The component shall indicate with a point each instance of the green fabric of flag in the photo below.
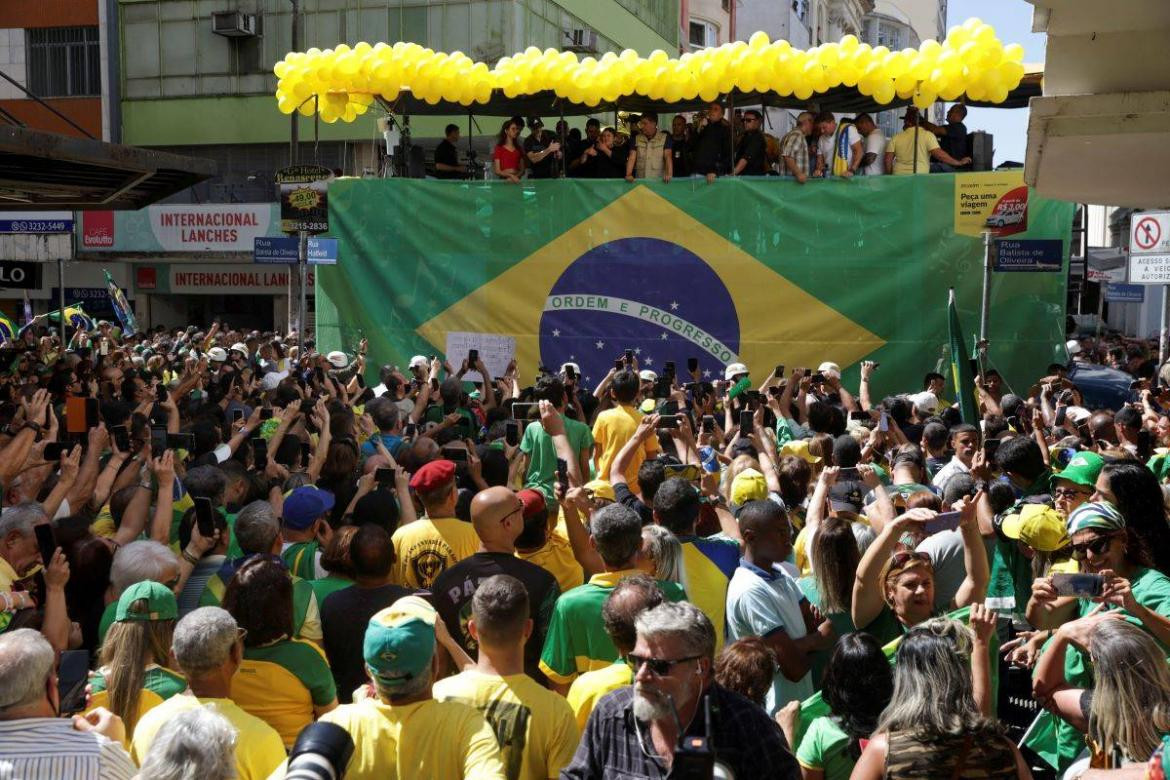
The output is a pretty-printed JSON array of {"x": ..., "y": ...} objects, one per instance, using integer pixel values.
[{"x": 961, "y": 365}]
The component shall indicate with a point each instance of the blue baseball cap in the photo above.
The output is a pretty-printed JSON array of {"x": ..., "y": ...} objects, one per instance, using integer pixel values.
[{"x": 304, "y": 505}]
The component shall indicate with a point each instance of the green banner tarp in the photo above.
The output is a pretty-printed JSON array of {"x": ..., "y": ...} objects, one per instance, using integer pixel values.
[{"x": 762, "y": 271}]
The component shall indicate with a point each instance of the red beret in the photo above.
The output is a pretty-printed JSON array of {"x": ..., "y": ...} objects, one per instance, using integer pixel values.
[
  {"x": 533, "y": 501},
  {"x": 433, "y": 476}
]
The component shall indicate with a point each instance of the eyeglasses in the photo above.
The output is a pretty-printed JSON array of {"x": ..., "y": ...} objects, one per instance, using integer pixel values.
[
  {"x": 1069, "y": 493},
  {"x": 1097, "y": 546},
  {"x": 658, "y": 666}
]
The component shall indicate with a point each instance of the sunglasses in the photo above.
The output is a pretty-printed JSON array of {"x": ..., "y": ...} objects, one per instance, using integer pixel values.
[
  {"x": 660, "y": 667},
  {"x": 900, "y": 559},
  {"x": 1069, "y": 493},
  {"x": 1097, "y": 546}
]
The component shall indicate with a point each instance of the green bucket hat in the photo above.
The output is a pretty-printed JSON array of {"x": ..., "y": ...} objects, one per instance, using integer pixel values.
[{"x": 160, "y": 603}]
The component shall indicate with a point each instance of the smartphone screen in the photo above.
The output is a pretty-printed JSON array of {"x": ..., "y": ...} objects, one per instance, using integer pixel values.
[
  {"x": 180, "y": 441},
  {"x": 692, "y": 364},
  {"x": 75, "y": 414},
  {"x": 160, "y": 393},
  {"x": 884, "y": 423},
  {"x": 619, "y": 365},
  {"x": 472, "y": 357},
  {"x": 1061, "y": 412},
  {"x": 306, "y": 452},
  {"x": 563, "y": 473},
  {"x": 158, "y": 441},
  {"x": 943, "y": 521},
  {"x": 237, "y": 414},
  {"x": 990, "y": 447},
  {"x": 522, "y": 411},
  {"x": 205, "y": 516},
  {"x": 708, "y": 424},
  {"x": 629, "y": 357},
  {"x": 668, "y": 422},
  {"x": 668, "y": 368},
  {"x": 746, "y": 424},
  {"x": 512, "y": 433},
  {"x": 266, "y": 413},
  {"x": 385, "y": 476},
  {"x": 259, "y": 451},
  {"x": 779, "y": 370},
  {"x": 92, "y": 413},
  {"x": 1080, "y": 585},
  {"x": 455, "y": 454},
  {"x": 53, "y": 450},
  {"x": 46, "y": 541},
  {"x": 570, "y": 372},
  {"x": 409, "y": 430},
  {"x": 121, "y": 437}
]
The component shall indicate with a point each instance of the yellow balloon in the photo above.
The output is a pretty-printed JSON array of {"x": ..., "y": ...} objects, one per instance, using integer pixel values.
[
  {"x": 758, "y": 41},
  {"x": 924, "y": 100},
  {"x": 1013, "y": 52},
  {"x": 884, "y": 93},
  {"x": 802, "y": 91},
  {"x": 849, "y": 43}
]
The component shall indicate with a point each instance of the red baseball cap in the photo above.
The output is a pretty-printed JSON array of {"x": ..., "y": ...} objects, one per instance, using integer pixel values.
[
  {"x": 533, "y": 501},
  {"x": 433, "y": 476}
]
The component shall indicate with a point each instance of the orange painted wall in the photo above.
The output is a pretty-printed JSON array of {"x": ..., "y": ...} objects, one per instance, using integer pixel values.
[
  {"x": 85, "y": 111},
  {"x": 48, "y": 13}
]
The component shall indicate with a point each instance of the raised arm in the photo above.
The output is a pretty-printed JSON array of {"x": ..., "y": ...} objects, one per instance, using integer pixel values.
[{"x": 868, "y": 593}]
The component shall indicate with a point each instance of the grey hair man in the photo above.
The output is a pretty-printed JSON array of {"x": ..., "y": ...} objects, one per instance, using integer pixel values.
[
  {"x": 209, "y": 647},
  {"x": 19, "y": 557},
  {"x": 634, "y": 731},
  {"x": 196, "y": 743},
  {"x": 35, "y": 743}
]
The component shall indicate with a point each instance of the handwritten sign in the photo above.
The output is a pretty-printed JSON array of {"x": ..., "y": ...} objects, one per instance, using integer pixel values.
[{"x": 495, "y": 351}]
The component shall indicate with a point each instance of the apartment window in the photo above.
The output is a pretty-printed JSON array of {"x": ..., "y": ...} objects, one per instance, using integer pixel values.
[
  {"x": 890, "y": 36},
  {"x": 800, "y": 8},
  {"x": 703, "y": 34},
  {"x": 64, "y": 61}
]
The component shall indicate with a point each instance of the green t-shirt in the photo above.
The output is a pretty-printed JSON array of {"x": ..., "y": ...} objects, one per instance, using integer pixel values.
[
  {"x": 826, "y": 747},
  {"x": 326, "y": 585},
  {"x": 233, "y": 549},
  {"x": 435, "y": 414},
  {"x": 1010, "y": 585},
  {"x": 542, "y": 455},
  {"x": 576, "y": 641}
]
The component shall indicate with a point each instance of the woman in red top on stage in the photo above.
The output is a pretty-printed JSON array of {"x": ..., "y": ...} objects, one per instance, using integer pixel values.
[{"x": 508, "y": 157}]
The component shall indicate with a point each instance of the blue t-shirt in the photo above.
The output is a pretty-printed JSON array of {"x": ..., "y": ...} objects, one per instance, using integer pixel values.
[{"x": 389, "y": 441}]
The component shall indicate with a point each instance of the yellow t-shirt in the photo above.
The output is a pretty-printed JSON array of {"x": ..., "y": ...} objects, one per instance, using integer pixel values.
[
  {"x": 431, "y": 739},
  {"x": 425, "y": 548},
  {"x": 259, "y": 750},
  {"x": 158, "y": 685},
  {"x": 612, "y": 429},
  {"x": 556, "y": 557},
  {"x": 588, "y": 689},
  {"x": 534, "y": 726},
  {"x": 281, "y": 683},
  {"x": 902, "y": 145},
  {"x": 8, "y": 575}
]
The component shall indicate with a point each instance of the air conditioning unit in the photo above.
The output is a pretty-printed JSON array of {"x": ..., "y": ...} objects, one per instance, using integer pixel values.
[
  {"x": 582, "y": 41},
  {"x": 233, "y": 24}
]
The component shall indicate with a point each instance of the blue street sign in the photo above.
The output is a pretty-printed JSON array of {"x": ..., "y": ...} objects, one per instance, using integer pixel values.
[
  {"x": 1030, "y": 254},
  {"x": 283, "y": 250},
  {"x": 1116, "y": 292},
  {"x": 36, "y": 221}
]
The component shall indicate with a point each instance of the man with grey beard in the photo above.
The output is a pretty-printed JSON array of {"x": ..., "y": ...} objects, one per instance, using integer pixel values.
[{"x": 635, "y": 731}]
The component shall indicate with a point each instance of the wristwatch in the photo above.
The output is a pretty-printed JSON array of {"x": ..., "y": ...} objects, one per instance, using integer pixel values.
[{"x": 33, "y": 426}]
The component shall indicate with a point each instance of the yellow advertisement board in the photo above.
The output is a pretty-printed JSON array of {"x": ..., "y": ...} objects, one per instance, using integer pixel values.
[{"x": 995, "y": 200}]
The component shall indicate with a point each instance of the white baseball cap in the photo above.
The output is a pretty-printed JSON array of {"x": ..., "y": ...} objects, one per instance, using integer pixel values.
[
  {"x": 217, "y": 354},
  {"x": 1078, "y": 414},
  {"x": 829, "y": 367},
  {"x": 337, "y": 359},
  {"x": 418, "y": 361},
  {"x": 1074, "y": 347},
  {"x": 734, "y": 370},
  {"x": 925, "y": 402},
  {"x": 272, "y": 379},
  {"x": 240, "y": 347},
  {"x": 576, "y": 368},
  {"x": 646, "y": 375}
]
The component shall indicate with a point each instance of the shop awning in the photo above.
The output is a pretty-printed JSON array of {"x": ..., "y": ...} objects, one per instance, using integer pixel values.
[{"x": 40, "y": 171}]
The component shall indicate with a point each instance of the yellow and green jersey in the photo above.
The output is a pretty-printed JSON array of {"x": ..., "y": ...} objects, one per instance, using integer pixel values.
[
  {"x": 158, "y": 685},
  {"x": 576, "y": 641},
  {"x": 281, "y": 683}
]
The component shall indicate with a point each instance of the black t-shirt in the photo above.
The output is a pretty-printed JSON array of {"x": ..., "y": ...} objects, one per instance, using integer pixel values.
[
  {"x": 712, "y": 148},
  {"x": 452, "y": 590},
  {"x": 954, "y": 140},
  {"x": 680, "y": 156},
  {"x": 609, "y": 166},
  {"x": 447, "y": 154},
  {"x": 751, "y": 148},
  {"x": 344, "y": 615},
  {"x": 548, "y": 167}
]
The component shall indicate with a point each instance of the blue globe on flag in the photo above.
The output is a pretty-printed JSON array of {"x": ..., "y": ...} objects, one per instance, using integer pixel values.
[{"x": 644, "y": 294}]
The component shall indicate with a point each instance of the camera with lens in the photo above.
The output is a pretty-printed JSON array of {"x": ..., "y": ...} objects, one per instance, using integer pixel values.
[{"x": 321, "y": 752}]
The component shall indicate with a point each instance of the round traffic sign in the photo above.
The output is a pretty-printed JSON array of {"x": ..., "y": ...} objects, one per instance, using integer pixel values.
[{"x": 1147, "y": 233}]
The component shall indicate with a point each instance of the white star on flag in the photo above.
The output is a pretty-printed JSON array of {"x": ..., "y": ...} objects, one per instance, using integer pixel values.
[
  {"x": 601, "y": 345},
  {"x": 664, "y": 337},
  {"x": 649, "y": 361},
  {"x": 673, "y": 306},
  {"x": 572, "y": 357},
  {"x": 556, "y": 333},
  {"x": 706, "y": 374},
  {"x": 638, "y": 351}
]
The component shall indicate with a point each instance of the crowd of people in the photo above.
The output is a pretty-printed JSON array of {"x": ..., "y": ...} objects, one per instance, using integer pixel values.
[
  {"x": 818, "y": 146},
  {"x": 215, "y": 543}
]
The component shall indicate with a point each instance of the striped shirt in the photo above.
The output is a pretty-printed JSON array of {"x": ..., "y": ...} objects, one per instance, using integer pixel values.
[{"x": 49, "y": 748}]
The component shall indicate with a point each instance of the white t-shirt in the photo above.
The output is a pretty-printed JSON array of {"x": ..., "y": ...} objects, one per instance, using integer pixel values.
[
  {"x": 825, "y": 144},
  {"x": 875, "y": 144},
  {"x": 757, "y": 607}
]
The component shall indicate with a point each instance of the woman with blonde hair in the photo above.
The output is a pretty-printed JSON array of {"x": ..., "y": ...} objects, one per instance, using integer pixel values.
[
  {"x": 1127, "y": 711},
  {"x": 133, "y": 677},
  {"x": 662, "y": 553}
]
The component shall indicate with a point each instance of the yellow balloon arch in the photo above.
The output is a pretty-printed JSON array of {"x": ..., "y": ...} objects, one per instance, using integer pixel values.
[{"x": 971, "y": 61}]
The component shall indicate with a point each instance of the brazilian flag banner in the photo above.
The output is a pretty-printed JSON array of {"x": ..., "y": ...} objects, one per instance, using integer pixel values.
[
  {"x": 961, "y": 365},
  {"x": 761, "y": 271}
]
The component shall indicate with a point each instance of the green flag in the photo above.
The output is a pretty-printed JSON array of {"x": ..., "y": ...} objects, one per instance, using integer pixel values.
[{"x": 961, "y": 366}]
